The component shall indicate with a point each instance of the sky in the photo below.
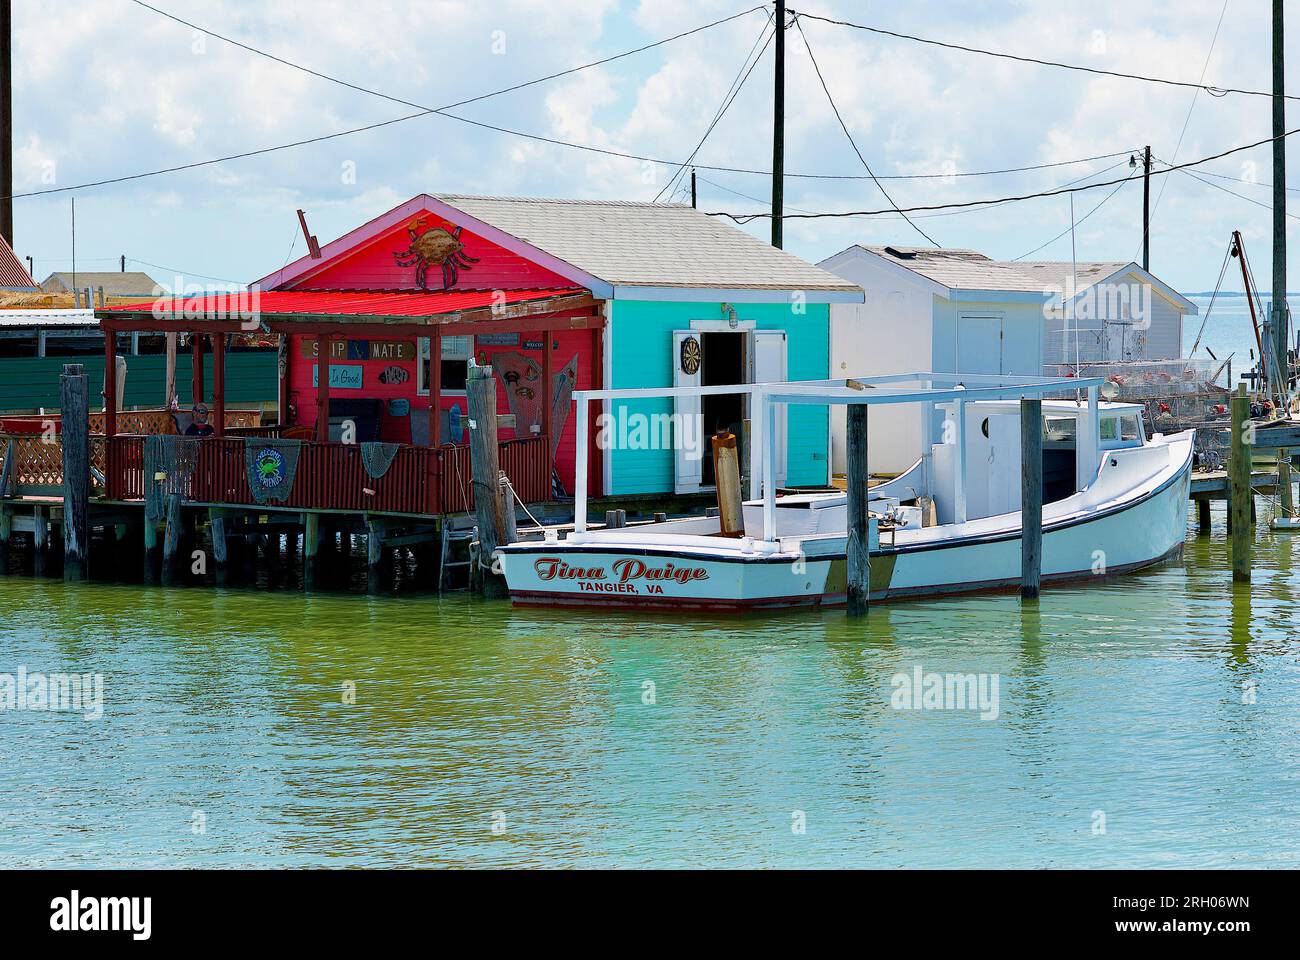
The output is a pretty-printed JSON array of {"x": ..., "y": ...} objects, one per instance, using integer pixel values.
[{"x": 107, "y": 88}]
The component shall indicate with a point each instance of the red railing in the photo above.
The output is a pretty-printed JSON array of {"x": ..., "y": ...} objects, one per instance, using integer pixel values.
[{"x": 330, "y": 476}]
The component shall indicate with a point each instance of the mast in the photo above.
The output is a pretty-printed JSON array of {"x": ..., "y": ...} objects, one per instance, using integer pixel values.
[
  {"x": 778, "y": 129},
  {"x": 1279, "y": 313}
]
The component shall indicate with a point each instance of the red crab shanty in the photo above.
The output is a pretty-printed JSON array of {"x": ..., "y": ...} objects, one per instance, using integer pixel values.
[{"x": 376, "y": 335}]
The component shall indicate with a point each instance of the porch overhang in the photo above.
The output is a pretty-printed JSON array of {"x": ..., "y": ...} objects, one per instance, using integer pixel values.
[{"x": 361, "y": 312}]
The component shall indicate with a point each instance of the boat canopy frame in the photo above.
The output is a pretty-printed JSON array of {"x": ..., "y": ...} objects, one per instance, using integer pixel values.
[{"x": 931, "y": 388}]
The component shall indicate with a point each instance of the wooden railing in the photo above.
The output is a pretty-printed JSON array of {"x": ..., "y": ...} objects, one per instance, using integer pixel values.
[
  {"x": 330, "y": 476},
  {"x": 147, "y": 422},
  {"x": 37, "y": 467}
]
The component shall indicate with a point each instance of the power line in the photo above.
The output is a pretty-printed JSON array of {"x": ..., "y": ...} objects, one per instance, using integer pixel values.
[
  {"x": 733, "y": 91},
  {"x": 459, "y": 103},
  {"x": 423, "y": 111},
  {"x": 1213, "y": 91},
  {"x": 1076, "y": 223},
  {"x": 1253, "y": 183},
  {"x": 1146, "y": 230},
  {"x": 745, "y": 218},
  {"x": 564, "y": 143},
  {"x": 852, "y": 142},
  {"x": 1239, "y": 196}
]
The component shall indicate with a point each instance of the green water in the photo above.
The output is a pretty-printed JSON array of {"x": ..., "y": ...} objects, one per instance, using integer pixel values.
[{"x": 225, "y": 710}]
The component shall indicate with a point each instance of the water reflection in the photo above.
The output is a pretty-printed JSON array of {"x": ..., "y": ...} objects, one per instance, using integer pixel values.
[{"x": 606, "y": 739}]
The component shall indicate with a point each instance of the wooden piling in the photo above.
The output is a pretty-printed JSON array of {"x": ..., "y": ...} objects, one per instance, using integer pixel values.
[
  {"x": 220, "y": 549},
  {"x": 74, "y": 399},
  {"x": 489, "y": 507},
  {"x": 40, "y": 540},
  {"x": 1287, "y": 499},
  {"x": 1031, "y": 496},
  {"x": 374, "y": 554},
  {"x": 859, "y": 516},
  {"x": 1239, "y": 492},
  {"x": 171, "y": 538},
  {"x": 310, "y": 550},
  {"x": 6, "y": 533},
  {"x": 150, "y": 550},
  {"x": 726, "y": 475},
  {"x": 1203, "y": 516}
]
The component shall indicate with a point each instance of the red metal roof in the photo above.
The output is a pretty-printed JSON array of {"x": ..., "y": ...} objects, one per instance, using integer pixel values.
[
  {"x": 13, "y": 275},
  {"x": 338, "y": 302}
]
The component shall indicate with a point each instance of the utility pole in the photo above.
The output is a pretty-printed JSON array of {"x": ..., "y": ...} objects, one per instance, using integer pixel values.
[
  {"x": 1146, "y": 209},
  {"x": 778, "y": 129},
  {"x": 1279, "y": 203},
  {"x": 6, "y": 123}
]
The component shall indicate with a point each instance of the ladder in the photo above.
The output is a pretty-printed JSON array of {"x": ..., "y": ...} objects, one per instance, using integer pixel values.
[{"x": 451, "y": 537}]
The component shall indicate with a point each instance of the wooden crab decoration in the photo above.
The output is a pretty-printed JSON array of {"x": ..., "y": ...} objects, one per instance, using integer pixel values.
[{"x": 434, "y": 247}]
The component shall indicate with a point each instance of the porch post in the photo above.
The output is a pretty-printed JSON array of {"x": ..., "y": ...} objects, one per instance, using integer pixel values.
[
  {"x": 219, "y": 383},
  {"x": 282, "y": 379},
  {"x": 322, "y": 388},
  {"x": 598, "y": 383},
  {"x": 959, "y": 481},
  {"x": 435, "y": 391},
  {"x": 196, "y": 368},
  {"x": 547, "y": 389},
  {"x": 110, "y": 382}
]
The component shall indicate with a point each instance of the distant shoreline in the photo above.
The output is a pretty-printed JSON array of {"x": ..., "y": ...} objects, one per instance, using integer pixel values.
[{"x": 1231, "y": 293}]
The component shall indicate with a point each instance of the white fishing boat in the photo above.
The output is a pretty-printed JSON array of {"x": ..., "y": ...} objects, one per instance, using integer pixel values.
[{"x": 1113, "y": 502}]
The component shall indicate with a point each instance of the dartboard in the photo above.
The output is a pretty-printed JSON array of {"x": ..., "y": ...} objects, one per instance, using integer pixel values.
[{"x": 691, "y": 356}]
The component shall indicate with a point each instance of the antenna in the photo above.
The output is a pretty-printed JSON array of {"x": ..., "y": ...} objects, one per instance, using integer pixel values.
[{"x": 1074, "y": 286}]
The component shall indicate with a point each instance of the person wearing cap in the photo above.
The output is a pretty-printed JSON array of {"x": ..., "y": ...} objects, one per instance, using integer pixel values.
[{"x": 199, "y": 427}]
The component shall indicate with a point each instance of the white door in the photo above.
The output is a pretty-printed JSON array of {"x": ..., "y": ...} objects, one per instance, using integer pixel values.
[
  {"x": 768, "y": 365},
  {"x": 688, "y": 362},
  {"x": 979, "y": 345}
]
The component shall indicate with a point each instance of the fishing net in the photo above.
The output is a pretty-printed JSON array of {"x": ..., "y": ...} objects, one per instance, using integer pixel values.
[
  {"x": 271, "y": 465},
  {"x": 169, "y": 463},
  {"x": 378, "y": 457}
]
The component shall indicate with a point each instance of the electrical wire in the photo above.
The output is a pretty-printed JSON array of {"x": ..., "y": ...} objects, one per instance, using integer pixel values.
[
  {"x": 1075, "y": 223},
  {"x": 852, "y": 142},
  {"x": 1146, "y": 229},
  {"x": 733, "y": 91},
  {"x": 1239, "y": 196},
  {"x": 1213, "y": 91},
  {"x": 745, "y": 218}
]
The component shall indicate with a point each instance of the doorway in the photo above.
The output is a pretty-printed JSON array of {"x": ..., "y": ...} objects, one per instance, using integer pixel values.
[{"x": 723, "y": 363}]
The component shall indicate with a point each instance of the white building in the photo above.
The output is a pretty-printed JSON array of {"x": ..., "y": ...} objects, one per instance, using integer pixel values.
[{"x": 962, "y": 312}]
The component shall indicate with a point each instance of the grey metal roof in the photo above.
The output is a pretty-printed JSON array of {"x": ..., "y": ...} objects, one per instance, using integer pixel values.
[
  {"x": 116, "y": 284},
  {"x": 972, "y": 270},
  {"x": 649, "y": 244}
]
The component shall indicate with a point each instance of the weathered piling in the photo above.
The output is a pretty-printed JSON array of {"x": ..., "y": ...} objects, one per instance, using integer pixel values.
[
  {"x": 1239, "y": 492},
  {"x": 726, "y": 475},
  {"x": 6, "y": 533},
  {"x": 1284, "y": 482},
  {"x": 489, "y": 507},
  {"x": 220, "y": 548},
  {"x": 859, "y": 515},
  {"x": 151, "y": 560},
  {"x": 310, "y": 551},
  {"x": 40, "y": 540},
  {"x": 374, "y": 554},
  {"x": 1203, "y": 516},
  {"x": 171, "y": 539},
  {"x": 74, "y": 399},
  {"x": 1031, "y": 496}
]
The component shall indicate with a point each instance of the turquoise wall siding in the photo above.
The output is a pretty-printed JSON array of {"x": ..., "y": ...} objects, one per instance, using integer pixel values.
[
  {"x": 642, "y": 356},
  {"x": 29, "y": 383}
]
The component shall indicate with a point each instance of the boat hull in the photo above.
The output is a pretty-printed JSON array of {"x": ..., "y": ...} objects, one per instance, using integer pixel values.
[{"x": 1129, "y": 536}]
